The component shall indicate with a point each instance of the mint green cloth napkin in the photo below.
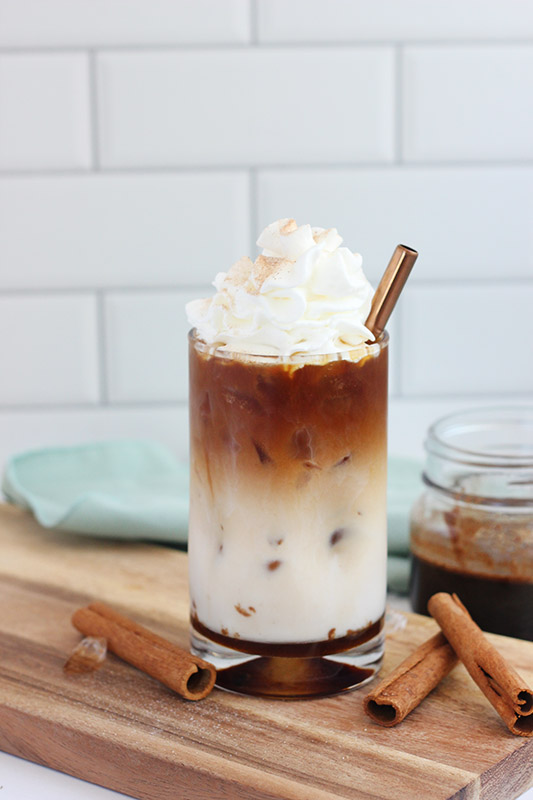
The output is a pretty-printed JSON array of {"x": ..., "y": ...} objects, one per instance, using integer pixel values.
[
  {"x": 138, "y": 490},
  {"x": 404, "y": 486},
  {"x": 124, "y": 489}
]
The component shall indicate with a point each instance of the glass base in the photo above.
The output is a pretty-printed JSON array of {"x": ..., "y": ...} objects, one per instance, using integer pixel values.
[{"x": 291, "y": 677}]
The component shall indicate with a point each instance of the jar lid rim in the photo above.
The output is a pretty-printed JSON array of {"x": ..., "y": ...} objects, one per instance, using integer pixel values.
[{"x": 482, "y": 421}]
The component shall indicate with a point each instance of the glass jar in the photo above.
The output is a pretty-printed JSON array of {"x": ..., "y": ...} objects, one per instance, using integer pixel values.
[{"x": 472, "y": 528}]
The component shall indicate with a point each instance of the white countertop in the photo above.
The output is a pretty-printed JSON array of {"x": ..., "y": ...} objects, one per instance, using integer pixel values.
[{"x": 23, "y": 780}]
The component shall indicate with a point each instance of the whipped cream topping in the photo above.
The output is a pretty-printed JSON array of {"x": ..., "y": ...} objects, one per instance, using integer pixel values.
[{"x": 304, "y": 294}]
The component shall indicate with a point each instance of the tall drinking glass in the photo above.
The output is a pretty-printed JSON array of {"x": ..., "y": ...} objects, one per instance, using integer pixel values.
[{"x": 287, "y": 531}]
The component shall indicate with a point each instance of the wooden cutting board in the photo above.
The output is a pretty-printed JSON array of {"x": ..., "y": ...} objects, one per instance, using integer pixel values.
[{"x": 121, "y": 729}]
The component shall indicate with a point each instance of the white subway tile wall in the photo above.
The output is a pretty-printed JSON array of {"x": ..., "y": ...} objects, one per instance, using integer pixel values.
[
  {"x": 104, "y": 230},
  {"x": 468, "y": 104},
  {"x": 26, "y": 429},
  {"x": 246, "y": 106},
  {"x": 147, "y": 346},
  {"x": 111, "y": 23},
  {"x": 143, "y": 145},
  {"x": 384, "y": 20},
  {"x": 466, "y": 222},
  {"x": 472, "y": 339},
  {"x": 49, "y": 349},
  {"x": 44, "y": 104}
]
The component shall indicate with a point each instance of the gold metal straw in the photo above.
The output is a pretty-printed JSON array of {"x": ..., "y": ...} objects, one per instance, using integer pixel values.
[{"x": 389, "y": 288}]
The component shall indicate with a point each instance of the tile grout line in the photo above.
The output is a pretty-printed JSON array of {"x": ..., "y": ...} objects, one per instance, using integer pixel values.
[
  {"x": 133, "y": 405},
  {"x": 101, "y": 333},
  {"x": 334, "y": 166},
  {"x": 421, "y": 283},
  {"x": 48, "y": 291},
  {"x": 181, "y": 403},
  {"x": 93, "y": 104},
  {"x": 138, "y": 47},
  {"x": 483, "y": 397},
  {"x": 398, "y": 104},
  {"x": 254, "y": 23},
  {"x": 398, "y": 144}
]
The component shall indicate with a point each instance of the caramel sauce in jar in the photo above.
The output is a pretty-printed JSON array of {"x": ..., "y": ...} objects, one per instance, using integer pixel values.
[{"x": 472, "y": 528}]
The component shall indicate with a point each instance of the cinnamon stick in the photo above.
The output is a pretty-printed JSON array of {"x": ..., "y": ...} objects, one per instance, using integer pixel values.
[
  {"x": 498, "y": 681},
  {"x": 412, "y": 680},
  {"x": 190, "y": 676}
]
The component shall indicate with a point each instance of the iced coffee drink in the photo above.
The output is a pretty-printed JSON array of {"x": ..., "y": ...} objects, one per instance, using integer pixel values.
[{"x": 288, "y": 410}]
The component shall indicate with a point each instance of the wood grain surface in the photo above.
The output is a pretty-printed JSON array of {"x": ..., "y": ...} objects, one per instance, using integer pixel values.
[{"x": 121, "y": 729}]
